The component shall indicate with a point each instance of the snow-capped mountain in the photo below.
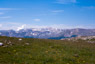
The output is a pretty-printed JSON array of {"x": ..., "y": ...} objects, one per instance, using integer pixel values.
[{"x": 48, "y": 33}]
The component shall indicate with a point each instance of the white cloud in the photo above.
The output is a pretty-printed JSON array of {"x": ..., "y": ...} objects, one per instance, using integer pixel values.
[
  {"x": 89, "y": 7},
  {"x": 1, "y": 13},
  {"x": 0, "y": 25},
  {"x": 65, "y": 1},
  {"x": 58, "y": 11},
  {"x": 21, "y": 27},
  {"x": 9, "y": 25},
  {"x": 5, "y": 8},
  {"x": 9, "y": 9},
  {"x": 62, "y": 26},
  {"x": 37, "y": 20},
  {"x": 5, "y": 17}
]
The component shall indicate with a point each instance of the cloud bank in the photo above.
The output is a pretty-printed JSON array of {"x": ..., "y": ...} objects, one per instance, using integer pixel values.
[{"x": 19, "y": 26}]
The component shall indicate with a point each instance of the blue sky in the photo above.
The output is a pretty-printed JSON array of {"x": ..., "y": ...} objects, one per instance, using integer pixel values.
[{"x": 65, "y": 14}]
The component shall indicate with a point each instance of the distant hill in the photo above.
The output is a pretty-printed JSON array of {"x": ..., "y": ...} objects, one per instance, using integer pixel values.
[
  {"x": 48, "y": 33},
  {"x": 85, "y": 38}
]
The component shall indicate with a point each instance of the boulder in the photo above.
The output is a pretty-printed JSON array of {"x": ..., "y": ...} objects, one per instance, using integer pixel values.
[
  {"x": 20, "y": 39},
  {"x": 1, "y": 44}
]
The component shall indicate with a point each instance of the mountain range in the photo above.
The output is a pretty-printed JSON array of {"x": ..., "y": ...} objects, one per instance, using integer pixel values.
[{"x": 48, "y": 33}]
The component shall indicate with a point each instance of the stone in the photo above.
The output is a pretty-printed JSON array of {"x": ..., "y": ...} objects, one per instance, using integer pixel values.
[{"x": 1, "y": 44}]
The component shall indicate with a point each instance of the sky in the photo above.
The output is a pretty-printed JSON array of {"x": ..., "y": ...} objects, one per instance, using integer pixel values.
[{"x": 66, "y": 14}]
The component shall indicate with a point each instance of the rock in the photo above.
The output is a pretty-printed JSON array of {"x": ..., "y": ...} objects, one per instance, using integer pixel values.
[
  {"x": 5, "y": 46},
  {"x": 76, "y": 55},
  {"x": 27, "y": 43},
  {"x": 20, "y": 39},
  {"x": 1, "y": 44},
  {"x": 91, "y": 41}
]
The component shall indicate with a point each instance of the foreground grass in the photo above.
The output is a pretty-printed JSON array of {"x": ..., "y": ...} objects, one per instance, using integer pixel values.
[{"x": 43, "y": 51}]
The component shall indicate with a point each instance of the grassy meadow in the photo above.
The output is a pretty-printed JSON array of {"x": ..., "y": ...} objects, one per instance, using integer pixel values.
[{"x": 45, "y": 51}]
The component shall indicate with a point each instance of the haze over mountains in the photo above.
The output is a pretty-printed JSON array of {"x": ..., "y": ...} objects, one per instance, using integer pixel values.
[{"x": 48, "y": 33}]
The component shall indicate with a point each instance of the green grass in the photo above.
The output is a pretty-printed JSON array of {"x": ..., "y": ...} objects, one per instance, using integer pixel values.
[{"x": 44, "y": 51}]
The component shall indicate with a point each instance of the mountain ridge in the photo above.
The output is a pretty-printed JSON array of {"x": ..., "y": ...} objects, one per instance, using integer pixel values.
[{"x": 48, "y": 33}]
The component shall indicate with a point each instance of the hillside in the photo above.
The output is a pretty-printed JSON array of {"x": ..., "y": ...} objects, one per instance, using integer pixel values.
[{"x": 44, "y": 51}]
